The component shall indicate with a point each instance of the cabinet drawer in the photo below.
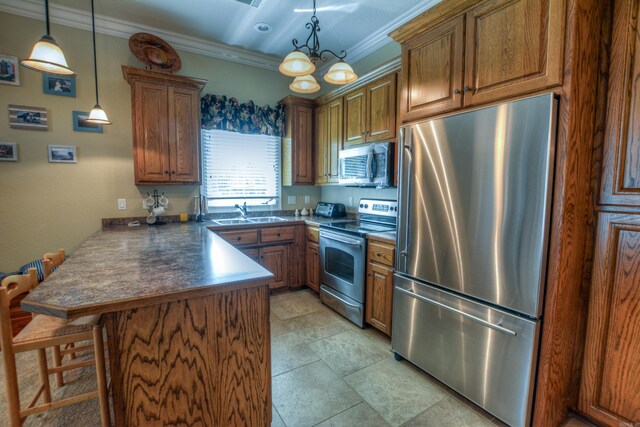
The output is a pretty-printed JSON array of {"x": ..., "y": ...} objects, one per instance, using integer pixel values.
[
  {"x": 312, "y": 235},
  {"x": 381, "y": 253},
  {"x": 276, "y": 234},
  {"x": 240, "y": 237}
]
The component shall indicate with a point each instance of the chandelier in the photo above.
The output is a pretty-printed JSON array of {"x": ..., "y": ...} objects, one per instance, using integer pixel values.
[{"x": 301, "y": 65}]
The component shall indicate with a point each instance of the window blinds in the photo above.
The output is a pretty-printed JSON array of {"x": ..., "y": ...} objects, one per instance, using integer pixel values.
[{"x": 240, "y": 167}]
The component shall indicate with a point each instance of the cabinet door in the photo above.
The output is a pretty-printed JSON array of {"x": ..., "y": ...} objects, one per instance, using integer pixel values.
[
  {"x": 275, "y": 259},
  {"x": 610, "y": 390},
  {"x": 334, "y": 140},
  {"x": 303, "y": 145},
  {"x": 355, "y": 117},
  {"x": 321, "y": 144},
  {"x": 184, "y": 135},
  {"x": 379, "y": 297},
  {"x": 513, "y": 47},
  {"x": 151, "y": 135},
  {"x": 381, "y": 108},
  {"x": 432, "y": 71},
  {"x": 252, "y": 253},
  {"x": 621, "y": 154},
  {"x": 313, "y": 266}
]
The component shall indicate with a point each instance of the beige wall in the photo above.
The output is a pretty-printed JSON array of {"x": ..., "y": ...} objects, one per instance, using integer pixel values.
[{"x": 43, "y": 205}]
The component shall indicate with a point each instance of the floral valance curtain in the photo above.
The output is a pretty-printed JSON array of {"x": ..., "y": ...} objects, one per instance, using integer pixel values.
[{"x": 220, "y": 112}]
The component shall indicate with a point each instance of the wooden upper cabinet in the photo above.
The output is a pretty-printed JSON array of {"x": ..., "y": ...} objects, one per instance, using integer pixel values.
[
  {"x": 321, "y": 141},
  {"x": 432, "y": 79},
  {"x": 150, "y": 110},
  {"x": 610, "y": 389},
  {"x": 166, "y": 127},
  {"x": 513, "y": 47},
  {"x": 355, "y": 117},
  {"x": 334, "y": 139},
  {"x": 621, "y": 155},
  {"x": 381, "y": 109},
  {"x": 297, "y": 145}
]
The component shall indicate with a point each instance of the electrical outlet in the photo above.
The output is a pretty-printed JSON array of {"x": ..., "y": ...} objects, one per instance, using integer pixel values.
[
  {"x": 351, "y": 201},
  {"x": 307, "y": 200},
  {"x": 122, "y": 204},
  {"x": 291, "y": 200}
]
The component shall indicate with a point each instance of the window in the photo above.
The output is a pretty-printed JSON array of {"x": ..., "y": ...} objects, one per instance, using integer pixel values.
[{"x": 241, "y": 168}]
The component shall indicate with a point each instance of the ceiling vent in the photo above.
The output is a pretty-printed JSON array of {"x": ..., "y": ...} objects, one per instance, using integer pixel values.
[{"x": 254, "y": 3}]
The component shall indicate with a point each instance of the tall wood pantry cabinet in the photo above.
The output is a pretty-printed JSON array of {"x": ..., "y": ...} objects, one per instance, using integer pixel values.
[
  {"x": 328, "y": 141},
  {"x": 610, "y": 389},
  {"x": 165, "y": 109},
  {"x": 297, "y": 144}
]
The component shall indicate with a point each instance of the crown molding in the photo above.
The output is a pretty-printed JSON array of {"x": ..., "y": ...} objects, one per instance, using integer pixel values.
[
  {"x": 75, "y": 18},
  {"x": 381, "y": 38}
]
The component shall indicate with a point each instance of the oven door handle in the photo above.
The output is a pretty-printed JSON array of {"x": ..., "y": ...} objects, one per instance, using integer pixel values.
[{"x": 341, "y": 240}]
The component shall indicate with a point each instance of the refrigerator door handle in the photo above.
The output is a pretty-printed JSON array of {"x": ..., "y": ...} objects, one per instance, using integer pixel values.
[
  {"x": 460, "y": 312},
  {"x": 405, "y": 166}
]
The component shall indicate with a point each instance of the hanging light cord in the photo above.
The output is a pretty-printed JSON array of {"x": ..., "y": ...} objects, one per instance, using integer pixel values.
[
  {"x": 46, "y": 8},
  {"x": 95, "y": 59}
]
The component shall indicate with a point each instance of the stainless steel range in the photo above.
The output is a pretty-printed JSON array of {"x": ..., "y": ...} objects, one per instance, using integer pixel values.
[{"x": 343, "y": 251}]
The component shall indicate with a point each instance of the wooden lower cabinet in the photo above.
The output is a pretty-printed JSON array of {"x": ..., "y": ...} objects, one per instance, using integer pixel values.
[
  {"x": 379, "y": 286},
  {"x": 313, "y": 266},
  {"x": 276, "y": 260},
  {"x": 610, "y": 390}
]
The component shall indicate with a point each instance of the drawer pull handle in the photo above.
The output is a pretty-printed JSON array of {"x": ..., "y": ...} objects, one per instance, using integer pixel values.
[{"x": 239, "y": 238}]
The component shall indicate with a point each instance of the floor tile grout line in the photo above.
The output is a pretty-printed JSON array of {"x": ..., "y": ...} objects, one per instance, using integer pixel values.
[
  {"x": 342, "y": 412},
  {"x": 445, "y": 397}
]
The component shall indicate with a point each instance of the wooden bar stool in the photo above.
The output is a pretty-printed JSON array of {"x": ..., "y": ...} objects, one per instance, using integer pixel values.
[
  {"x": 51, "y": 261},
  {"x": 40, "y": 333}
]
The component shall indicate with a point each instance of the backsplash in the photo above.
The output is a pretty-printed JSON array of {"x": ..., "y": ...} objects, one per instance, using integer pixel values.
[{"x": 338, "y": 194}]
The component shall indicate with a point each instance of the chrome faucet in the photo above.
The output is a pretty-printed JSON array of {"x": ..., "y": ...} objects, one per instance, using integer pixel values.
[{"x": 242, "y": 209}]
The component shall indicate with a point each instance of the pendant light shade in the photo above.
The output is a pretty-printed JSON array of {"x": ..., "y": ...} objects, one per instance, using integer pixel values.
[
  {"x": 340, "y": 73},
  {"x": 46, "y": 55},
  {"x": 97, "y": 115},
  {"x": 296, "y": 64},
  {"x": 305, "y": 84}
]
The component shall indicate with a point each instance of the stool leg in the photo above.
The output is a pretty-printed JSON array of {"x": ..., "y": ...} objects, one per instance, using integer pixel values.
[
  {"x": 72, "y": 355},
  {"x": 101, "y": 374},
  {"x": 57, "y": 362},
  {"x": 44, "y": 374},
  {"x": 11, "y": 381}
]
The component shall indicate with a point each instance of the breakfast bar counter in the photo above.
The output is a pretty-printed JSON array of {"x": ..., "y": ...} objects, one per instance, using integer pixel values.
[{"x": 187, "y": 321}]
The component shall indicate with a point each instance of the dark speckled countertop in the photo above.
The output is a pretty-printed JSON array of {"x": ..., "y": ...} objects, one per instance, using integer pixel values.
[{"x": 127, "y": 267}]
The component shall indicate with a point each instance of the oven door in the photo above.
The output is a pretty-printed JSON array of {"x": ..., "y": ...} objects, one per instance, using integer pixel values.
[{"x": 342, "y": 261}]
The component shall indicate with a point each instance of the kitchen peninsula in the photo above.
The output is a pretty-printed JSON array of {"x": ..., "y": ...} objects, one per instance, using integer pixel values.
[{"x": 187, "y": 320}]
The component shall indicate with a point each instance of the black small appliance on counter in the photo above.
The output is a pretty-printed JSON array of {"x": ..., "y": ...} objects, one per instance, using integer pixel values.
[{"x": 330, "y": 210}]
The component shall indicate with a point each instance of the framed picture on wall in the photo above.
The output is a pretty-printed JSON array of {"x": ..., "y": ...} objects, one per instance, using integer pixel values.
[
  {"x": 9, "y": 70},
  {"x": 8, "y": 152},
  {"x": 32, "y": 118},
  {"x": 80, "y": 123},
  {"x": 62, "y": 154},
  {"x": 61, "y": 86}
]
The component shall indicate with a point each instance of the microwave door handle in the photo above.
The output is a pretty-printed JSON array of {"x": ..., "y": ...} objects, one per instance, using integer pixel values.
[{"x": 370, "y": 158}]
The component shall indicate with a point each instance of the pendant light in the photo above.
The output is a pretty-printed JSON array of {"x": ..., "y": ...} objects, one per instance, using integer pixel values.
[
  {"x": 97, "y": 114},
  {"x": 305, "y": 84},
  {"x": 46, "y": 55},
  {"x": 340, "y": 73}
]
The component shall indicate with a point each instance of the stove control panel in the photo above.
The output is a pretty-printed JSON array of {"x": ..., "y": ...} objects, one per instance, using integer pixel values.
[{"x": 378, "y": 207}]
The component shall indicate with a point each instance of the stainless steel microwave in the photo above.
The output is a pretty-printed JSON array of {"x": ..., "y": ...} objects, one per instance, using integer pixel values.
[{"x": 367, "y": 166}]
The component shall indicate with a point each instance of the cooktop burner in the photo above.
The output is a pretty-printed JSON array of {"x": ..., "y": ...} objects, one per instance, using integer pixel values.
[{"x": 360, "y": 228}]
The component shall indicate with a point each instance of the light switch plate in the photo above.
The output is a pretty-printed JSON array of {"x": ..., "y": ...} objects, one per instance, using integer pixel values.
[
  {"x": 122, "y": 204},
  {"x": 291, "y": 200},
  {"x": 307, "y": 199}
]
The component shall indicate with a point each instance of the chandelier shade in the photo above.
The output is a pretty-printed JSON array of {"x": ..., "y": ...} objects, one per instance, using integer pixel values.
[
  {"x": 305, "y": 84},
  {"x": 340, "y": 73},
  {"x": 296, "y": 64},
  {"x": 98, "y": 116}
]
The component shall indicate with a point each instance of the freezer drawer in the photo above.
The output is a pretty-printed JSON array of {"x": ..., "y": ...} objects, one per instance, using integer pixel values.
[{"x": 487, "y": 355}]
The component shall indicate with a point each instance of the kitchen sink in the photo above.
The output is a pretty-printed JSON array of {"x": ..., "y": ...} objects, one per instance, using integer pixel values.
[
  {"x": 267, "y": 219},
  {"x": 233, "y": 221}
]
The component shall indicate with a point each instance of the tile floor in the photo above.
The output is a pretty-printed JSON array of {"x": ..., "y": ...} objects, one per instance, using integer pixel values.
[{"x": 328, "y": 372}]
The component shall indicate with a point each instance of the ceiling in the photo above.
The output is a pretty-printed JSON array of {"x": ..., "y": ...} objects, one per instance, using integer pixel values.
[{"x": 357, "y": 26}]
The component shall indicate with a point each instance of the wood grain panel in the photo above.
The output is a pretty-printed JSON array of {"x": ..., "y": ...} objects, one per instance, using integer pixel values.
[
  {"x": 150, "y": 125},
  {"x": 313, "y": 234},
  {"x": 277, "y": 234},
  {"x": 321, "y": 144},
  {"x": 355, "y": 117},
  {"x": 313, "y": 266},
  {"x": 184, "y": 135},
  {"x": 297, "y": 144},
  {"x": 381, "y": 107},
  {"x": 276, "y": 260},
  {"x": 335, "y": 139},
  {"x": 240, "y": 237},
  {"x": 432, "y": 70},
  {"x": 621, "y": 154},
  {"x": 381, "y": 253},
  {"x": 513, "y": 47},
  {"x": 193, "y": 362},
  {"x": 379, "y": 297},
  {"x": 610, "y": 390}
]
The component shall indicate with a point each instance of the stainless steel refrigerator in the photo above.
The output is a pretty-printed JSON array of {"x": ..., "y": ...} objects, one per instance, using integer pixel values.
[{"x": 474, "y": 201}]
